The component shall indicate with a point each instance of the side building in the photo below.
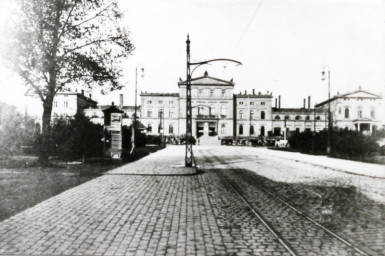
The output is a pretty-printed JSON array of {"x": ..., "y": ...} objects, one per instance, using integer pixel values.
[{"x": 359, "y": 110}]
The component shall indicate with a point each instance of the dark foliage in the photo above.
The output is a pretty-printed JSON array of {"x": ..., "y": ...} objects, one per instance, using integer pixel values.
[
  {"x": 78, "y": 137},
  {"x": 345, "y": 143}
]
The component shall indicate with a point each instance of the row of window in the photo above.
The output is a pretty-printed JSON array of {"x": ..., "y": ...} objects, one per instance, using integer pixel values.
[
  {"x": 277, "y": 117},
  {"x": 359, "y": 112},
  {"x": 241, "y": 114},
  {"x": 211, "y": 93},
  {"x": 251, "y": 130},
  {"x": 161, "y": 113},
  {"x": 171, "y": 102},
  {"x": 55, "y": 104},
  {"x": 251, "y": 103},
  {"x": 170, "y": 128}
]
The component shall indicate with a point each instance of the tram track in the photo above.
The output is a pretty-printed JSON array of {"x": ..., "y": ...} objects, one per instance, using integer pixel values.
[{"x": 284, "y": 241}]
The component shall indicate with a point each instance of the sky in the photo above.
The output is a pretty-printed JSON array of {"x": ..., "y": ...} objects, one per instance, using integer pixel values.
[{"x": 282, "y": 44}]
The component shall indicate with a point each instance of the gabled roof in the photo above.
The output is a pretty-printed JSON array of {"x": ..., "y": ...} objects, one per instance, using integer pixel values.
[
  {"x": 207, "y": 80},
  {"x": 355, "y": 94}
]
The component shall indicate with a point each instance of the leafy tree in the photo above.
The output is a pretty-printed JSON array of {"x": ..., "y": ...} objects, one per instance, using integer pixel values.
[{"x": 59, "y": 44}]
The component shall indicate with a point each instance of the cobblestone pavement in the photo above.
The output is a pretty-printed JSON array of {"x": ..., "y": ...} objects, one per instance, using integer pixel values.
[
  {"x": 138, "y": 215},
  {"x": 157, "y": 215},
  {"x": 352, "y": 215}
]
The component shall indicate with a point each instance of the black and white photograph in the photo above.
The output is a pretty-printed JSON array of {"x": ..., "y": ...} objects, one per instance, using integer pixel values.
[{"x": 193, "y": 127}]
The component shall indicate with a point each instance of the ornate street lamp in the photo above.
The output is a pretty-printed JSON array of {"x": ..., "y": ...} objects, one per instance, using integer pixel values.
[{"x": 189, "y": 151}]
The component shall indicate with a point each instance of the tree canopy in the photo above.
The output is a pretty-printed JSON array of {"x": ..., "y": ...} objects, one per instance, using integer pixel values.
[{"x": 63, "y": 44}]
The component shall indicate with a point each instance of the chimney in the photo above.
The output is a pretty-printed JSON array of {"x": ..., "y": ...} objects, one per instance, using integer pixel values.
[
  {"x": 275, "y": 102},
  {"x": 253, "y": 91},
  {"x": 308, "y": 102},
  {"x": 304, "y": 103},
  {"x": 82, "y": 92},
  {"x": 245, "y": 92},
  {"x": 113, "y": 104},
  {"x": 121, "y": 100},
  {"x": 259, "y": 93},
  {"x": 279, "y": 101},
  {"x": 90, "y": 95}
]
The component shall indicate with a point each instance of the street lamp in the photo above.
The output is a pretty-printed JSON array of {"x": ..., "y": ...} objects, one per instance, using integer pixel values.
[
  {"x": 189, "y": 151},
  {"x": 329, "y": 145},
  {"x": 134, "y": 127}
]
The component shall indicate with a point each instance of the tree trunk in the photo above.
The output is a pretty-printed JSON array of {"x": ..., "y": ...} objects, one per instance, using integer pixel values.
[{"x": 45, "y": 142}]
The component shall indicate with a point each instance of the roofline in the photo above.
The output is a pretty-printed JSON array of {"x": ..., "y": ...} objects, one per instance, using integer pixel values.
[
  {"x": 229, "y": 83},
  {"x": 345, "y": 96}
]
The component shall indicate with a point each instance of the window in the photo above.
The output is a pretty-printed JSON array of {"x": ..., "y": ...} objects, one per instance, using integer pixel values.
[
  {"x": 170, "y": 129},
  {"x": 297, "y": 130},
  {"x": 297, "y": 118},
  {"x": 251, "y": 114},
  {"x": 171, "y": 102},
  {"x": 223, "y": 129},
  {"x": 223, "y": 110},
  {"x": 211, "y": 93},
  {"x": 160, "y": 113},
  {"x": 252, "y": 103},
  {"x": 287, "y": 117},
  {"x": 200, "y": 110},
  {"x": 318, "y": 118},
  {"x": 149, "y": 102},
  {"x": 277, "y": 117},
  {"x": 346, "y": 113},
  {"x": 262, "y": 103},
  {"x": 262, "y": 114},
  {"x": 372, "y": 113},
  {"x": 200, "y": 93},
  {"x": 66, "y": 104},
  {"x": 223, "y": 93},
  {"x": 339, "y": 110},
  {"x": 262, "y": 130},
  {"x": 241, "y": 114},
  {"x": 149, "y": 113},
  {"x": 149, "y": 128},
  {"x": 251, "y": 130},
  {"x": 212, "y": 110},
  {"x": 240, "y": 103},
  {"x": 359, "y": 113},
  {"x": 240, "y": 129},
  {"x": 160, "y": 101},
  {"x": 308, "y": 118},
  {"x": 171, "y": 114}
]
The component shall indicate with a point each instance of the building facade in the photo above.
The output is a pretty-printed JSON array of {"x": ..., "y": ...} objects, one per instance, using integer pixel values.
[
  {"x": 218, "y": 112},
  {"x": 358, "y": 110}
]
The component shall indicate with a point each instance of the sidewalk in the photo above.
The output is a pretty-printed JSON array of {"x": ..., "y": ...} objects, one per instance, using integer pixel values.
[
  {"x": 348, "y": 166},
  {"x": 168, "y": 161}
]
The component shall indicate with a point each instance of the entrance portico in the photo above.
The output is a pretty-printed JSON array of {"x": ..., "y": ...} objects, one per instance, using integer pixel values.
[
  {"x": 206, "y": 128},
  {"x": 364, "y": 125}
]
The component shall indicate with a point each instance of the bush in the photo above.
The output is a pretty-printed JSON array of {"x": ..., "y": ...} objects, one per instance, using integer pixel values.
[
  {"x": 73, "y": 138},
  {"x": 344, "y": 143}
]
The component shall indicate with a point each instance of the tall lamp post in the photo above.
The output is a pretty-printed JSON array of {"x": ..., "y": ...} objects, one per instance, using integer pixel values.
[
  {"x": 189, "y": 151},
  {"x": 330, "y": 127},
  {"x": 134, "y": 127}
]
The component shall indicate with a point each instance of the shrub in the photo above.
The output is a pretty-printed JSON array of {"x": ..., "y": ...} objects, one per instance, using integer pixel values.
[
  {"x": 76, "y": 137},
  {"x": 344, "y": 142}
]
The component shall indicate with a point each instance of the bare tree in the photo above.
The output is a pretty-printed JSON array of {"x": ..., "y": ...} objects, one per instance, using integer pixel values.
[{"x": 59, "y": 44}]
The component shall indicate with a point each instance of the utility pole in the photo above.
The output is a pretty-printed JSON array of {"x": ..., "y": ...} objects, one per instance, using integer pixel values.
[{"x": 189, "y": 152}]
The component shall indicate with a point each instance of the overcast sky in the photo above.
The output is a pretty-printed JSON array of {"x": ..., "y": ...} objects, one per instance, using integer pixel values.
[{"x": 283, "y": 45}]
